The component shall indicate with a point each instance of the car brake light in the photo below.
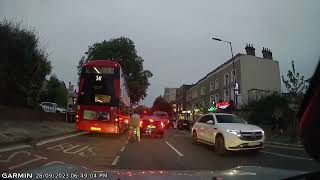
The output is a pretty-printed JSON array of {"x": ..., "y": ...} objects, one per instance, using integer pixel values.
[
  {"x": 162, "y": 125},
  {"x": 151, "y": 120},
  {"x": 116, "y": 119},
  {"x": 140, "y": 123}
]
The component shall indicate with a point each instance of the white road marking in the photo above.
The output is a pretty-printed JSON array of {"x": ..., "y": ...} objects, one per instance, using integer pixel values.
[
  {"x": 60, "y": 138},
  {"x": 285, "y": 147},
  {"x": 115, "y": 160},
  {"x": 179, "y": 153},
  {"x": 283, "y": 155},
  {"x": 54, "y": 162},
  {"x": 76, "y": 149},
  {"x": 298, "y": 145},
  {"x": 28, "y": 162},
  {"x": 14, "y": 147},
  {"x": 122, "y": 149},
  {"x": 13, "y": 155}
]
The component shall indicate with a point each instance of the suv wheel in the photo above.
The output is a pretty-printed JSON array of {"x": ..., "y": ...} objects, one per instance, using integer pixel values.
[
  {"x": 195, "y": 137},
  {"x": 220, "y": 146}
]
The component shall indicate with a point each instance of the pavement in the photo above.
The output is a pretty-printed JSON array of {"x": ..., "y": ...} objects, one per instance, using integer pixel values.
[
  {"x": 102, "y": 152},
  {"x": 18, "y": 131}
]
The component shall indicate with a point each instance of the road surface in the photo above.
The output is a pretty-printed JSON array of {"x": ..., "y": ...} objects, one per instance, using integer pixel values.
[{"x": 173, "y": 152}]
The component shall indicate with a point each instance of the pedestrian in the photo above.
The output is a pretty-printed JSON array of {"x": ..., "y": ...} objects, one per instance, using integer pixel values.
[{"x": 134, "y": 125}]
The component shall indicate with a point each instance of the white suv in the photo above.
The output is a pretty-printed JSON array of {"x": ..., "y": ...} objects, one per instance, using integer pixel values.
[{"x": 227, "y": 132}]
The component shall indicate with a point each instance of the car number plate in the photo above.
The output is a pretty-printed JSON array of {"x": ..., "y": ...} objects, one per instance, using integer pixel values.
[
  {"x": 151, "y": 126},
  {"x": 95, "y": 129}
]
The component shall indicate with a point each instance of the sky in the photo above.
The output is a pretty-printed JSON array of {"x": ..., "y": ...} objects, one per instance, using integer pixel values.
[{"x": 173, "y": 37}]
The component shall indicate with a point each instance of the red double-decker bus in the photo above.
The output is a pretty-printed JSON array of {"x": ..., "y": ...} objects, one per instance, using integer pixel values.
[{"x": 103, "y": 103}]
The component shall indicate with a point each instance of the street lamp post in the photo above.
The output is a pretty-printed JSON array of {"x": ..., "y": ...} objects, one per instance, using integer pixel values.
[{"x": 234, "y": 69}]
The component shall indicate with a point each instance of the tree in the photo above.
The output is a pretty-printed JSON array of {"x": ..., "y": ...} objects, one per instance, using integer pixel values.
[
  {"x": 55, "y": 91},
  {"x": 122, "y": 50},
  {"x": 23, "y": 65},
  {"x": 143, "y": 110},
  {"x": 263, "y": 109},
  {"x": 295, "y": 83},
  {"x": 160, "y": 104}
]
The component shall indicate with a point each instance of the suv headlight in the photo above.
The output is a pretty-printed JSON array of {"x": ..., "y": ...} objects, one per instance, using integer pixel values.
[{"x": 235, "y": 132}]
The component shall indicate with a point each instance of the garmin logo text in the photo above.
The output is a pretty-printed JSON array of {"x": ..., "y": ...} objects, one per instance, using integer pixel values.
[{"x": 16, "y": 175}]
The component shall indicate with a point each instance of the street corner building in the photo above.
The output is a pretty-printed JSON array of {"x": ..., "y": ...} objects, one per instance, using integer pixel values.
[{"x": 242, "y": 78}]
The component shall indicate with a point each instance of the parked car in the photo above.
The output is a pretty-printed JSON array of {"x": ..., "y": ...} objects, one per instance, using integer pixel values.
[
  {"x": 183, "y": 124},
  {"x": 151, "y": 125},
  {"x": 51, "y": 107},
  {"x": 163, "y": 117},
  {"x": 227, "y": 132}
]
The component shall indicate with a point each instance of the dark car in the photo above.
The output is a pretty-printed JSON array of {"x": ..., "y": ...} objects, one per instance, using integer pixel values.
[
  {"x": 183, "y": 124},
  {"x": 163, "y": 117},
  {"x": 150, "y": 125}
]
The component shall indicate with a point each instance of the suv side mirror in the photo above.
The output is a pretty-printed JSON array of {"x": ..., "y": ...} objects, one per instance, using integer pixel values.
[{"x": 209, "y": 122}]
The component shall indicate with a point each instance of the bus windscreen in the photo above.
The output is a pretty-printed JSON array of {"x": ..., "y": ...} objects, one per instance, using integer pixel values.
[
  {"x": 99, "y": 70},
  {"x": 98, "y": 89}
]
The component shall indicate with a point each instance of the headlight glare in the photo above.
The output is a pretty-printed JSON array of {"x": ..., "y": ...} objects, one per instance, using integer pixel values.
[{"x": 235, "y": 132}]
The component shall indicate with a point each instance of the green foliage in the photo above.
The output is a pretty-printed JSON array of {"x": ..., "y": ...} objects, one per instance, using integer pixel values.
[
  {"x": 23, "y": 65},
  {"x": 123, "y": 51},
  {"x": 160, "y": 104},
  {"x": 55, "y": 91},
  {"x": 295, "y": 83},
  {"x": 261, "y": 112}
]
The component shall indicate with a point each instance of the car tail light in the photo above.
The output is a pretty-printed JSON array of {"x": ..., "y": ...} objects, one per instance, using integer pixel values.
[
  {"x": 162, "y": 125},
  {"x": 140, "y": 123},
  {"x": 116, "y": 119},
  {"x": 151, "y": 120},
  {"x": 126, "y": 121}
]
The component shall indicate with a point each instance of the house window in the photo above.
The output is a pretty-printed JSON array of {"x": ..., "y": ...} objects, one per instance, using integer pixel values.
[
  {"x": 226, "y": 95},
  {"x": 211, "y": 86},
  {"x": 226, "y": 79},
  {"x": 216, "y": 84},
  {"x": 202, "y": 91},
  {"x": 216, "y": 97},
  {"x": 233, "y": 76},
  {"x": 232, "y": 93}
]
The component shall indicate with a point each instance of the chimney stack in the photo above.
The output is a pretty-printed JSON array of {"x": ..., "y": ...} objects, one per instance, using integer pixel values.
[
  {"x": 266, "y": 53},
  {"x": 250, "y": 49}
]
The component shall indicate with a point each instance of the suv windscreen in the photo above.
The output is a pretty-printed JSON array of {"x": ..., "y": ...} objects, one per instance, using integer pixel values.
[
  {"x": 229, "y": 119},
  {"x": 161, "y": 114}
]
